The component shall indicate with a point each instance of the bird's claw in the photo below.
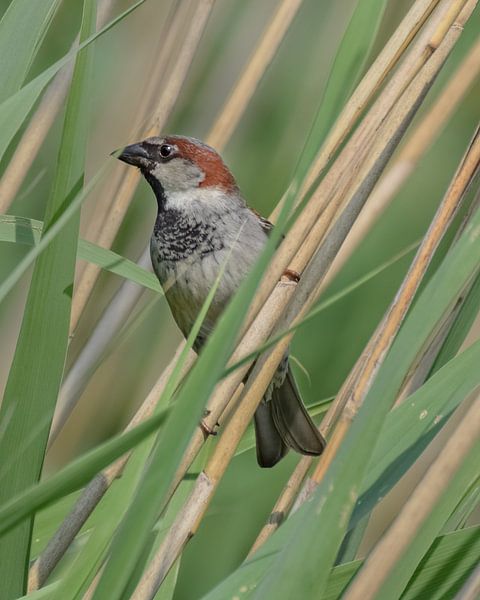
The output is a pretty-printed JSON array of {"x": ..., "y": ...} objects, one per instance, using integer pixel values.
[{"x": 206, "y": 429}]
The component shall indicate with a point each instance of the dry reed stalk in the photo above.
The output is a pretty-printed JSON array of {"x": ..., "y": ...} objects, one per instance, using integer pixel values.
[
  {"x": 471, "y": 588},
  {"x": 190, "y": 516},
  {"x": 414, "y": 149},
  {"x": 416, "y": 145},
  {"x": 354, "y": 396},
  {"x": 416, "y": 510},
  {"x": 166, "y": 103},
  {"x": 122, "y": 304},
  {"x": 96, "y": 489},
  {"x": 318, "y": 213},
  {"x": 262, "y": 56},
  {"x": 366, "y": 90},
  {"x": 40, "y": 124}
]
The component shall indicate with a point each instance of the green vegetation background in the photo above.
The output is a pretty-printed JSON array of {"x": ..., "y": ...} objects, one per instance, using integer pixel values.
[{"x": 262, "y": 155}]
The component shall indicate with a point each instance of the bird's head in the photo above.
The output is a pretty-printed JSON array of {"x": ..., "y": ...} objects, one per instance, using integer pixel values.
[{"x": 179, "y": 164}]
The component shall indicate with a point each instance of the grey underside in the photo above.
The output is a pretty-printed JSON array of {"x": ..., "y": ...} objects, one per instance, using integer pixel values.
[{"x": 187, "y": 252}]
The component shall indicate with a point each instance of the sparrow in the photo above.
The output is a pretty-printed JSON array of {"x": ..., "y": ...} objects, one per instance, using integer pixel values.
[{"x": 202, "y": 225}]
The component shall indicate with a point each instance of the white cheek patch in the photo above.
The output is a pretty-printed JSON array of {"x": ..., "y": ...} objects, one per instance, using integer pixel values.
[{"x": 178, "y": 174}]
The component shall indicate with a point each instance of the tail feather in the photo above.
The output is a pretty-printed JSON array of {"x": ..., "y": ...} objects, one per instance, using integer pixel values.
[
  {"x": 270, "y": 446},
  {"x": 283, "y": 422}
]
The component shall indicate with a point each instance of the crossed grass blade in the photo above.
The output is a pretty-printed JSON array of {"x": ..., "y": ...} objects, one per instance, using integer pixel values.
[{"x": 37, "y": 368}]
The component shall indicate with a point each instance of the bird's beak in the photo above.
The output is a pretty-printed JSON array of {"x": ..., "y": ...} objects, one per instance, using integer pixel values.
[{"x": 135, "y": 155}]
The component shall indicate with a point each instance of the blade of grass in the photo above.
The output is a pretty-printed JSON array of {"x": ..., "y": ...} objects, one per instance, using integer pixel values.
[
  {"x": 21, "y": 230},
  {"x": 22, "y": 29},
  {"x": 37, "y": 368},
  {"x": 464, "y": 509}
]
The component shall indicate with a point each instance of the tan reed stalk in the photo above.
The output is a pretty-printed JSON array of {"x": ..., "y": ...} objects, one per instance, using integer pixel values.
[
  {"x": 190, "y": 516},
  {"x": 471, "y": 589},
  {"x": 367, "y": 88},
  {"x": 40, "y": 124},
  {"x": 416, "y": 145},
  {"x": 395, "y": 542},
  {"x": 165, "y": 106},
  {"x": 96, "y": 489},
  {"x": 127, "y": 296},
  {"x": 423, "y": 136},
  {"x": 314, "y": 218},
  {"x": 262, "y": 56},
  {"x": 355, "y": 396}
]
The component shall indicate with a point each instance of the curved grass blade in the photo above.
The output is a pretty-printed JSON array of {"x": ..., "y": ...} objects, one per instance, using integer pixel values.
[
  {"x": 21, "y": 230},
  {"x": 22, "y": 29},
  {"x": 37, "y": 368}
]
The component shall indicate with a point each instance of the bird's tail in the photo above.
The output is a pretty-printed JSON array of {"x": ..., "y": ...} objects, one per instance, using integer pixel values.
[{"x": 282, "y": 423}]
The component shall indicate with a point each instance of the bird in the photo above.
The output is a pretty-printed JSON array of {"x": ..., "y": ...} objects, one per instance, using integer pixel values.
[{"x": 203, "y": 224}]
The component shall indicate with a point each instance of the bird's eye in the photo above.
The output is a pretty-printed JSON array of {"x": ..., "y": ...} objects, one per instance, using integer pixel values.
[{"x": 166, "y": 150}]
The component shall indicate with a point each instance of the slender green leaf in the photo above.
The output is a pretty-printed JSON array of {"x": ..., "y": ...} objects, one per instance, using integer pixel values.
[
  {"x": 464, "y": 509},
  {"x": 28, "y": 231},
  {"x": 14, "y": 109},
  {"x": 446, "y": 566},
  {"x": 22, "y": 29},
  {"x": 443, "y": 570},
  {"x": 37, "y": 368},
  {"x": 461, "y": 325}
]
